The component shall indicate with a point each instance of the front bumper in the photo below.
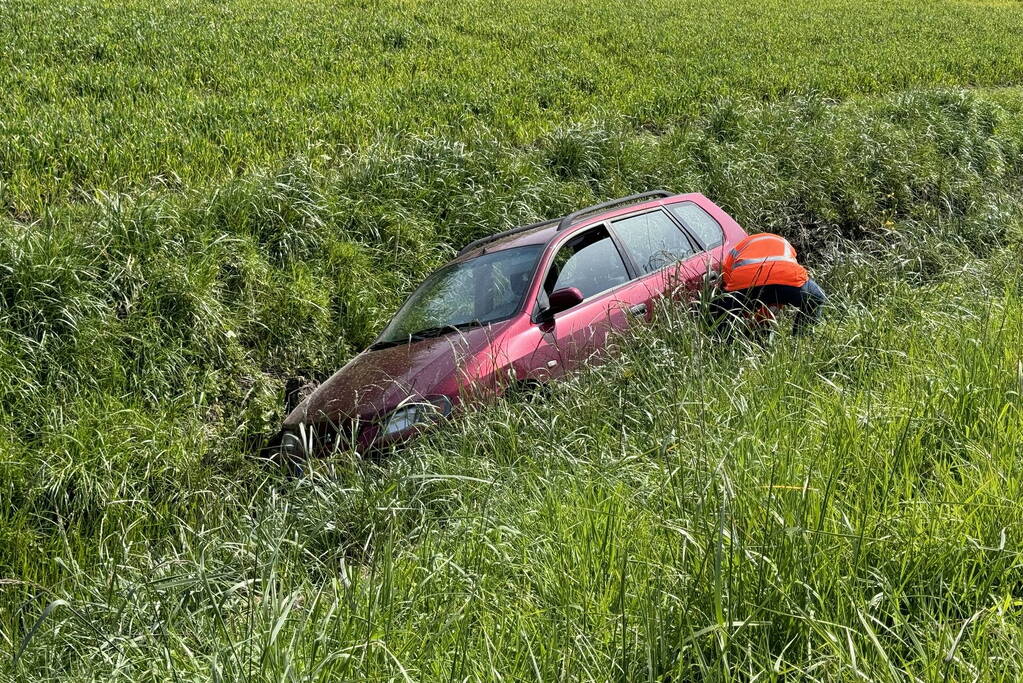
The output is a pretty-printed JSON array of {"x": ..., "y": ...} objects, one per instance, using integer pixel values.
[
  {"x": 362, "y": 436},
  {"x": 324, "y": 439},
  {"x": 327, "y": 440}
]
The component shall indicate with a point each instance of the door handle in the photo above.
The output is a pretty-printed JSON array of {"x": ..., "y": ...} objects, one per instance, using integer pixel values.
[{"x": 638, "y": 309}]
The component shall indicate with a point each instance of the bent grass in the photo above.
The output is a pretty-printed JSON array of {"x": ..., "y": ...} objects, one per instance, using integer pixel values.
[{"x": 837, "y": 508}]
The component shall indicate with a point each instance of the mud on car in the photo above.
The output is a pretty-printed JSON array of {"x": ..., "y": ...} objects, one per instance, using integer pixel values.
[{"x": 522, "y": 306}]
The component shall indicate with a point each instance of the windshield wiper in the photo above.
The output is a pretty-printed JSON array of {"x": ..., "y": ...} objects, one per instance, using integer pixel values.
[{"x": 428, "y": 333}]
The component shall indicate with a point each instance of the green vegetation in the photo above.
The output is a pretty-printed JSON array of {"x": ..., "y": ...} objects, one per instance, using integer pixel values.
[
  {"x": 203, "y": 203},
  {"x": 129, "y": 95}
]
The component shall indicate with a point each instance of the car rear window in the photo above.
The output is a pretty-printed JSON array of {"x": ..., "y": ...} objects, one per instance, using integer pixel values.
[
  {"x": 653, "y": 240},
  {"x": 703, "y": 226}
]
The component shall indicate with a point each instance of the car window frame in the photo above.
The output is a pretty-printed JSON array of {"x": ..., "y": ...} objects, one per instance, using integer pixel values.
[
  {"x": 693, "y": 243},
  {"x": 545, "y": 267}
]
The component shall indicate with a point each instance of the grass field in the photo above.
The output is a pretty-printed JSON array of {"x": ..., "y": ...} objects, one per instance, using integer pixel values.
[
  {"x": 127, "y": 95},
  {"x": 203, "y": 200}
]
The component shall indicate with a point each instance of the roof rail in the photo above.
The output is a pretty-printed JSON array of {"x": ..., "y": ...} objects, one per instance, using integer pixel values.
[
  {"x": 571, "y": 218},
  {"x": 507, "y": 233}
]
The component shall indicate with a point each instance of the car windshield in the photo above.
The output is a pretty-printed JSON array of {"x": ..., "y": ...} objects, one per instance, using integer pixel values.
[{"x": 481, "y": 290}]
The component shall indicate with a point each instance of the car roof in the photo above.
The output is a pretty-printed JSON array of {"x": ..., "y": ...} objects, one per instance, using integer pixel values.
[{"x": 545, "y": 231}]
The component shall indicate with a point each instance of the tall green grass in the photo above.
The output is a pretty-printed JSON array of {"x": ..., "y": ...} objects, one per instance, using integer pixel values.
[
  {"x": 147, "y": 339},
  {"x": 194, "y": 214},
  {"x": 102, "y": 96},
  {"x": 838, "y": 507}
]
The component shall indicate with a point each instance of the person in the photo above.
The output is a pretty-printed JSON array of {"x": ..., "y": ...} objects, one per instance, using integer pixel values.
[{"x": 762, "y": 270}]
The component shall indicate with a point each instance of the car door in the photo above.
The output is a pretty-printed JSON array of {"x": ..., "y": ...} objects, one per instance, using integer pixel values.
[
  {"x": 666, "y": 258},
  {"x": 592, "y": 262}
]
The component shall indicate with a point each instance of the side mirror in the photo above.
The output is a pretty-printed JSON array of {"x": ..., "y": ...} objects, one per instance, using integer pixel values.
[{"x": 561, "y": 300}]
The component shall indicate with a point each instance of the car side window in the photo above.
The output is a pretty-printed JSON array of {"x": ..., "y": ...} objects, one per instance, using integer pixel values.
[
  {"x": 653, "y": 240},
  {"x": 703, "y": 226},
  {"x": 589, "y": 262}
]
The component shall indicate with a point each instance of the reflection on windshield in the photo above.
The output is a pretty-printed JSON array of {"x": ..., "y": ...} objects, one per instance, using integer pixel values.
[{"x": 481, "y": 290}]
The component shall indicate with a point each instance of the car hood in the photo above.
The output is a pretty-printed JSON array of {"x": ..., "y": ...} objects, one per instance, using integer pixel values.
[{"x": 376, "y": 381}]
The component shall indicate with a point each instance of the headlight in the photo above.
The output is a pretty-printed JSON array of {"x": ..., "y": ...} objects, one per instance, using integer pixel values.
[
  {"x": 292, "y": 446},
  {"x": 441, "y": 404},
  {"x": 412, "y": 414}
]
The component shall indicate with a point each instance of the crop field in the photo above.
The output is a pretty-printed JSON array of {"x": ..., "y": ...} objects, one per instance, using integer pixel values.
[
  {"x": 202, "y": 201},
  {"x": 126, "y": 95}
]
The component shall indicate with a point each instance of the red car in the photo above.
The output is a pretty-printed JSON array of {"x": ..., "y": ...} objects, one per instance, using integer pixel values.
[{"x": 519, "y": 307}]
